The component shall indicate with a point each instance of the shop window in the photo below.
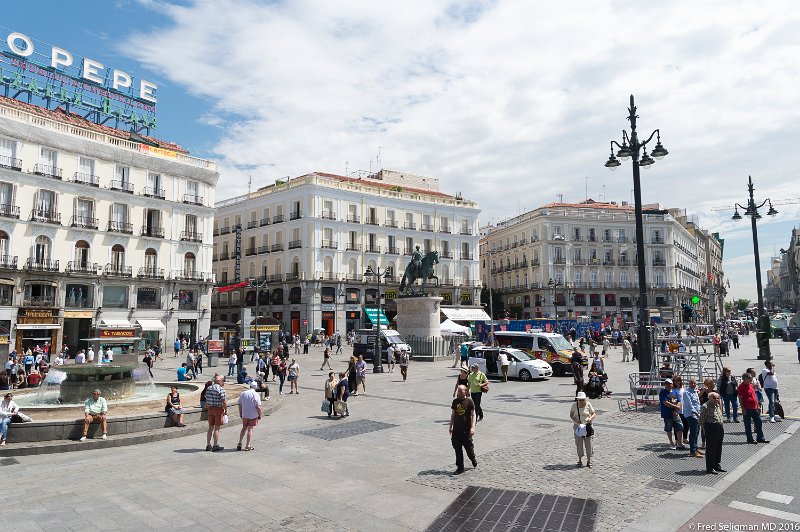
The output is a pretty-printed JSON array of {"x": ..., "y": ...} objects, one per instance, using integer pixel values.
[
  {"x": 371, "y": 296},
  {"x": 115, "y": 296},
  {"x": 328, "y": 295},
  {"x": 611, "y": 300},
  {"x": 594, "y": 300},
  {"x": 6, "y": 296},
  {"x": 148, "y": 298},
  {"x": 263, "y": 297},
  {"x": 277, "y": 296},
  {"x": 295, "y": 295},
  {"x": 187, "y": 300},
  {"x": 352, "y": 295},
  {"x": 78, "y": 296},
  {"x": 250, "y": 298},
  {"x": 580, "y": 300}
]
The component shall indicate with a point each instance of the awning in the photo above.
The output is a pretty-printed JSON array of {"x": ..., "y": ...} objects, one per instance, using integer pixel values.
[
  {"x": 372, "y": 314},
  {"x": 115, "y": 323},
  {"x": 127, "y": 340},
  {"x": 151, "y": 325},
  {"x": 37, "y": 326},
  {"x": 465, "y": 314}
]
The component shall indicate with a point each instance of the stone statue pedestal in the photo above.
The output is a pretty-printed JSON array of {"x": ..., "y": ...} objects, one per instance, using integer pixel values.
[{"x": 418, "y": 316}]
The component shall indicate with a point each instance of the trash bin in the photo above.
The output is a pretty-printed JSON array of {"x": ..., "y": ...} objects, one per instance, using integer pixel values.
[{"x": 213, "y": 360}]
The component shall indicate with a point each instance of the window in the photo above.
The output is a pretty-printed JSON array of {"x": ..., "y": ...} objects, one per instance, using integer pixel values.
[
  {"x": 592, "y": 235},
  {"x": 6, "y": 198},
  {"x": 621, "y": 233},
  {"x": 189, "y": 265},
  {"x": 558, "y": 253},
  {"x": 152, "y": 220},
  {"x": 593, "y": 276},
  {"x": 48, "y": 159},
  {"x": 373, "y": 242},
  {"x": 84, "y": 213},
  {"x": 390, "y": 219},
  {"x": 187, "y": 299},
  {"x": 150, "y": 261},
  {"x": 409, "y": 245},
  {"x": 45, "y": 203},
  {"x": 82, "y": 254},
  {"x": 119, "y": 217},
  {"x": 578, "y": 276},
  {"x": 577, "y": 233},
  {"x": 580, "y": 300},
  {"x": 444, "y": 224},
  {"x": 85, "y": 170},
  {"x": 5, "y": 249},
  {"x": 609, "y": 277},
  {"x": 79, "y": 296},
  {"x": 118, "y": 257},
  {"x": 557, "y": 232},
  {"x": 426, "y": 246},
  {"x": 122, "y": 179},
  {"x": 154, "y": 184},
  {"x": 190, "y": 224},
  {"x": 148, "y": 298},
  {"x": 41, "y": 250},
  {"x": 115, "y": 296},
  {"x": 193, "y": 192},
  {"x": 8, "y": 153},
  {"x": 623, "y": 279}
]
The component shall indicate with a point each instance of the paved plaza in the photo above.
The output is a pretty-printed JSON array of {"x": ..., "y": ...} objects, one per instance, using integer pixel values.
[{"x": 389, "y": 465}]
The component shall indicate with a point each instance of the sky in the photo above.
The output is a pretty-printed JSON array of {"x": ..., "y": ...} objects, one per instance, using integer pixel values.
[{"x": 510, "y": 102}]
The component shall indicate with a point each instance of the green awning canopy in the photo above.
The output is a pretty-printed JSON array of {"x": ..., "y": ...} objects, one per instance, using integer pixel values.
[{"x": 372, "y": 313}]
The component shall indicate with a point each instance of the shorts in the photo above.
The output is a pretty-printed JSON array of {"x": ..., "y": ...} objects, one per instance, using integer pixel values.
[
  {"x": 291, "y": 378},
  {"x": 671, "y": 424},
  {"x": 175, "y": 411},
  {"x": 215, "y": 414},
  {"x": 249, "y": 422},
  {"x": 360, "y": 379}
]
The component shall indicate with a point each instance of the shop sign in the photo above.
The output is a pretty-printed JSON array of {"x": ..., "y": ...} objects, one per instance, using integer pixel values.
[
  {"x": 264, "y": 328},
  {"x": 353, "y": 315},
  {"x": 215, "y": 346},
  {"x": 116, "y": 333},
  {"x": 466, "y": 297},
  {"x": 38, "y": 313},
  {"x": 327, "y": 316},
  {"x": 446, "y": 297},
  {"x": 78, "y": 314},
  {"x": 390, "y": 294},
  {"x": 4, "y": 339}
]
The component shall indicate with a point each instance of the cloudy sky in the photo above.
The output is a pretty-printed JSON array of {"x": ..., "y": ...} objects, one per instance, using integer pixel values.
[{"x": 509, "y": 102}]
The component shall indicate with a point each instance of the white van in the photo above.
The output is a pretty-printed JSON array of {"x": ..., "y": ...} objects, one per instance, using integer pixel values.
[
  {"x": 522, "y": 366},
  {"x": 364, "y": 342}
]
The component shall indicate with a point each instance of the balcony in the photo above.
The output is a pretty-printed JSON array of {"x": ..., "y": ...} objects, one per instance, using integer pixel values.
[
  {"x": 191, "y": 236},
  {"x": 9, "y": 211},
  {"x": 191, "y": 275},
  {"x": 123, "y": 186},
  {"x": 252, "y": 224},
  {"x": 47, "y": 170},
  {"x": 327, "y": 276},
  {"x": 225, "y": 230},
  {"x": 426, "y": 227},
  {"x": 577, "y": 238},
  {"x": 264, "y": 221},
  {"x": 296, "y": 215},
  {"x": 353, "y": 247},
  {"x": 352, "y": 218},
  {"x": 393, "y": 250},
  {"x": 447, "y": 230},
  {"x": 595, "y": 284},
  {"x": 294, "y": 244},
  {"x": 118, "y": 270},
  {"x": 276, "y": 277},
  {"x": 154, "y": 192},
  {"x": 39, "y": 301},
  {"x": 11, "y": 163},
  {"x": 80, "y": 267},
  {"x": 373, "y": 249},
  {"x": 466, "y": 256},
  {"x": 263, "y": 249},
  {"x": 592, "y": 238},
  {"x": 328, "y": 215},
  {"x": 278, "y": 218},
  {"x": 148, "y": 272},
  {"x": 655, "y": 240},
  {"x": 120, "y": 227},
  {"x": 7, "y": 262},
  {"x": 86, "y": 179},
  {"x": 372, "y": 221},
  {"x": 75, "y": 302},
  {"x": 659, "y": 262},
  {"x": 608, "y": 261},
  {"x": 446, "y": 254},
  {"x": 84, "y": 222},
  {"x": 41, "y": 265},
  {"x": 622, "y": 240},
  {"x": 276, "y": 247},
  {"x": 224, "y": 255},
  {"x": 46, "y": 216},
  {"x": 330, "y": 244},
  {"x": 148, "y": 305},
  {"x": 390, "y": 223},
  {"x": 187, "y": 305},
  {"x": 410, "y": 225},
  {"x": 535, "y": 262},
  {"x": 408, "y": 252},
  {"x": 249, "y": 252},
  {"x": 467, "y": 231},
  {"x": 559, "y": 260},
  {"x": 594, "y": 260},
  {"x": 193, "y": 199},
  {"x": 152, "y": 231},
  {"x": 523, "y": 264},
  {"x": 578, "y": 261}
]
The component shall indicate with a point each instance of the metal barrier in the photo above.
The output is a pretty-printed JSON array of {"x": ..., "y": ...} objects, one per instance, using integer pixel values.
[{"x": 431, "y": 348}]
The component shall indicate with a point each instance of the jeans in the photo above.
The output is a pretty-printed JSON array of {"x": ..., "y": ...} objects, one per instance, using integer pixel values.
[
  {"x": 4, "y": 427},
  {"x": 231, "y": 367},
  {"x": 772, "y": 396},
  {"x": 694, "y": 429},
  {"x": 462, "y": 442},
  {"x": 476, "y": 398},
  {"x": 283, "y": 378},
  {"x": 731, "y": 400},
  {"x": 755, "y": 416}
]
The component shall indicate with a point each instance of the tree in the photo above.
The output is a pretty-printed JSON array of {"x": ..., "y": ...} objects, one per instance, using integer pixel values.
[
  {"x": 742, "y": 304},
  {"x": 515, "y": 312},
  {"x": 728, "y": 307},
  {"x": 497, "y": 311}
]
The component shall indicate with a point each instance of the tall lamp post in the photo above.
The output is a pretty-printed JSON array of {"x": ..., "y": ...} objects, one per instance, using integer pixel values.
[
  {"x": 377, "y": 366},
  {"x": 751, "y": 210},
  {"x": 553, "y": 284},
  {"x": 630, "y": 147},
  {"x": 258, "y": 285}
]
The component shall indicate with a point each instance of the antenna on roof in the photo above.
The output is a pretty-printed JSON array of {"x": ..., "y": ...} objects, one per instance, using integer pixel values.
[
  {"x": 560, "y": 198},
  {"x": 346, "y": 169},
  {"x": 587, "y": 188},
  {"x": 604, "y": 193},
  {"x": 249, "y": 183},
  {"x": 380, "y": 165}
]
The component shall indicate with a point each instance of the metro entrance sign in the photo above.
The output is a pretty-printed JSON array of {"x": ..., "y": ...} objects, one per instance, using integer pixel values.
[{"x": 58, "y": 78}]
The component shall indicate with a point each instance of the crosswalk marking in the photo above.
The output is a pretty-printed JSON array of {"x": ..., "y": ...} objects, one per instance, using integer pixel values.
[
  {"x": 777, "y": 514},
  {"x": 775, "y": 497}
]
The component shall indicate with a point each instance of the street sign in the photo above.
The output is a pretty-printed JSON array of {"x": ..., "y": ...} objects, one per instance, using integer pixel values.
[{"x": 305, "y": 322}]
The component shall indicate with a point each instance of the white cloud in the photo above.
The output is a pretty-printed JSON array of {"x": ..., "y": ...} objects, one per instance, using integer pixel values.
[{"x": 508, "y": 101}]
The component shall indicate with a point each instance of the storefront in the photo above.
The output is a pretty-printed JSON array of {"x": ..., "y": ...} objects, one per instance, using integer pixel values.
[
  {"x": 5, "y": 339},
  {"x": 371, "y": 318},
  {"x": 118, "y": 335},
  {"x": 295, "y": 317},
  {"x": 37, "y": 327},
  {"x": 352, "y": 320},
  {"x": 187, "y": 329},
  {"x": 77, "y": 325},
  {"x": 329, "y": 322},
  {"x": 151, "y": 331}
]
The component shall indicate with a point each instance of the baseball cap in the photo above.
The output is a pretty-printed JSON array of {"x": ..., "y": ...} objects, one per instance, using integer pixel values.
[
  {"x": 667, "y": 381},
  {"x": 253, "y": 384}
]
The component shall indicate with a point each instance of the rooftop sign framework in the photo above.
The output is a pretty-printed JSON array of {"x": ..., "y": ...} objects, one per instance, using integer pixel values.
[{"x": 85, "y": 86}]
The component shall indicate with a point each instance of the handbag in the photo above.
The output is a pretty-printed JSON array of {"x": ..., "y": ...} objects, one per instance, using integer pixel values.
[
  {"x": 485, "y": 387},
  {"x": 339, "y": 407},
  {"x": 225, "y": 419},
  {"x": 580, "y": 430},
  {"x": 589, "y": 430},
  {"x": 326, "y": 406}
]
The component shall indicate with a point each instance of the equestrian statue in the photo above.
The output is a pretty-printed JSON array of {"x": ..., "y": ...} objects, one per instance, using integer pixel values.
[{"x": 419, "y": 268}]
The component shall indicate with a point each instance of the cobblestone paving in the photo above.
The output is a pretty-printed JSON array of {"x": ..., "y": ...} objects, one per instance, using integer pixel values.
[{"x": 346, "y": 429}]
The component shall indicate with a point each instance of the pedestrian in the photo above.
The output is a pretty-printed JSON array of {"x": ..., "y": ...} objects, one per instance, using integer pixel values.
[
  {"x": 404, "y": 361},
  {"x": 708, "y": 387},
  {"x": 294, "y": 376},
  {"x": 217, "y": 406},
  {"x": 250, "y": 412},
  {"x": 326, "y": 359},
  {"x": 306, "y": 343},
  {"x": 462, "y": 380},
  {"x": 797, "y": 344},
  {"x": 361, "y": 375},
  {"x": 758, "y": 388},
  {"x": 576, "y": 363},
  {"x": 8, "y": 409},
  {"x": 670, "y": 406},
  {"x": 455, "y": 352},
  {"x": 190, "y": 364},
  {"x": 351, "y": 374},
  {"x": 342, "y": 394},
  {"x": 462, "y": 428},
  {"x": 390, "y": 352},
  {"x": 338, "y": 344},
  {"x": 148, "y": 361},
  {"x": 678, "y": 389},
  {"x": 282, "y": 370},
  {"x": 330, "y": 392},
  {"x": 80, "y": 358},
  {"x": 749, "y": 401},
  {"x": 275, "y": 363},
  {"x": 198, "y": 362},
  {"x": 232, "y": 364},
  {"x": 726, "y": 386},
  {"x": 464, "y": 355},
  {"x": 606, "y": 346},
  {"x": 504, "y": 363},
  {"x": 690, "y": 403},
  {"x": 582, "y": 414},
  {"x": 177, "y": 346},
  {"x": 174, "y": 408},
  {"x": 711, "y": 419},
  {"x": 770, "y": 383},
  {"x": 478, "y": 384},
  {"x": 297, "y": 344},
  {"x": 626, "y": 349},
  {"x": 89, "y": 356}
]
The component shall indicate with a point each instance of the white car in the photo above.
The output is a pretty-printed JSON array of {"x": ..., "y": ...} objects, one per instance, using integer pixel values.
[{"x": 521, "y": 365}]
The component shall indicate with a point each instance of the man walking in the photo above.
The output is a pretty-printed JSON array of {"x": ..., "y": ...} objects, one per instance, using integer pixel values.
[
  {"x": 752, "y": 413},
  {"x": 361, "y": 374},
  {"x": 404, "y": 363},
  {"x": 390, "y": 358},
  {"x": 462, "y": 428},
  {"x": 250, "y": 412},
  {"x": 626, "y": 349},
  {"x": 711, "y": 419},
  {"x": 190, "y": 364},
  {"x": 217, "y": 406},
  {"x": 690, "y": 405},
  {"x": 670, "y": 406}
]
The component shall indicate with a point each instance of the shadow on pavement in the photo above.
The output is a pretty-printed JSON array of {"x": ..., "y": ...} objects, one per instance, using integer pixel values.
[
  {"x": 189, "y": 451},
  {"x": 438, "y": 472},
  {"x": 560, "y": 467}
]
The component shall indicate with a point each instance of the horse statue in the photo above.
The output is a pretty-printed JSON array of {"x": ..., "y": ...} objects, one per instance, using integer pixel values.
[{"x": 423, "y": 270}]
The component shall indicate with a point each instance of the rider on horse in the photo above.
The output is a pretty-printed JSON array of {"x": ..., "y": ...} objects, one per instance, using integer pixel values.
[{"x": 416, "y": 260}]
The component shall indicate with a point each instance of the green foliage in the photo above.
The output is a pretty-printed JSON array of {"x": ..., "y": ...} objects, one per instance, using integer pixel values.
[{"x": 742, "y": 304}]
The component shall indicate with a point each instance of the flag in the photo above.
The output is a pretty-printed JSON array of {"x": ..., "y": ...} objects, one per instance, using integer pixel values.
[{"x": 228, "y": 288}]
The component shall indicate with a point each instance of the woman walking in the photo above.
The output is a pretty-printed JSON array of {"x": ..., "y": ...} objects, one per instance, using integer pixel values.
[
  {"x": 275, "y": 363},
  {"x": 330, "y": 392},
  {"x": 726, "y": 385},
  {"x": 281, "y": 374},
  {"x": 582, "y": 414},
  {"x": 326, "y": 359},
  {"x": 462, "y": 380},
  {"x": 351, "y": 375},
  {"x": 478, "y": 384}
]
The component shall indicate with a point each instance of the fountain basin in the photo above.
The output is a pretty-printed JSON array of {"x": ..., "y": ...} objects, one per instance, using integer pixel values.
[{"x": 115, "y": 382}]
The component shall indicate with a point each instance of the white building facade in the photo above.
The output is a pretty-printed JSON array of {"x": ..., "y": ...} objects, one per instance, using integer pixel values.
[
  {"x": 99, "y": 229},
  {"x": 579, "y": 259},
  {"x": 309, "y": 240}
]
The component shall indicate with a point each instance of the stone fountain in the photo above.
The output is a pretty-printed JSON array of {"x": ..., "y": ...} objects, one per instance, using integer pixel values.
[{"x": 115, "y": 381}]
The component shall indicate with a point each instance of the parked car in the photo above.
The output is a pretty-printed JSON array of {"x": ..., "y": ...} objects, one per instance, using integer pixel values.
[{"x": 522, "y": 365}]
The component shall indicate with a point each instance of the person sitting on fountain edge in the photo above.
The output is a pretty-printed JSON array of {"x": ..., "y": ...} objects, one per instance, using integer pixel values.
[
  {"x": 242, "y": 377},
  {"x": 182, "y": 373},
  {"x": 95, "y": 409}
]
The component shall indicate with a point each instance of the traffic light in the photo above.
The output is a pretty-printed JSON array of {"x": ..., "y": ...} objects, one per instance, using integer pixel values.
[{"x": 687, "y": 313}]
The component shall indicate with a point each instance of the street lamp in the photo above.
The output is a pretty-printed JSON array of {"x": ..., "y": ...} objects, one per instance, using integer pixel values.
[
  {"x": 630, "y": 148},
  {"x": 751, "y": 210},
  {"x": 258, "y": 285},
  {"x": 377, "y": 366},
  {"x": 553, "y": 284}
]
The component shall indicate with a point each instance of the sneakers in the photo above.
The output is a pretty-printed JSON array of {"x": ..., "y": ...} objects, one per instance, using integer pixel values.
[
  {"x": 673, "y": 447},
  {"x": 778, "y": 419},
  {"x": 772, "y": 419},
  {"x": 459, "y": 471},
  {"x": 281, "y": 393},
  {"x": 208, "y": 447},
  {"x": 104, "y": 437},
  {"x": 474, "y": 463},
  {"x": 217, "y": 448},
  {"x": 762, "y": 441},
  {"x": 83, "y": 438}
]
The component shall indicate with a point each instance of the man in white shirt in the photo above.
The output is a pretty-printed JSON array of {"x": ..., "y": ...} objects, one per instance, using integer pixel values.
[
  {"x": 250, "y": 412},
  {"x": 503, "y": 359},
  {"x": 90, "y": 356},
  {"x": 80, "y": 358},
  {"x": 109, "y": 355},
  {"x": 390, "y": 357},
  {"x": 770, "y": 384}
]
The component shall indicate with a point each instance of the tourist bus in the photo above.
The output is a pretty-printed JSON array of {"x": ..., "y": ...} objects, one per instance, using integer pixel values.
[{"x": 551, "y": 347}]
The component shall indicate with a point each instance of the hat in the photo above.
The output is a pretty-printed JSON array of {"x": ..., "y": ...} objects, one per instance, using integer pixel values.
[
  {"x": 253, "y": 384},
  {"x": 667, "y": 381},
  {"x": 580, "y": 396}
]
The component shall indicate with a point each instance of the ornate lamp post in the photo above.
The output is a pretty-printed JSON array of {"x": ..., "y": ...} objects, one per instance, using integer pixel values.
[
  {"x": 377, "y": 366},
  {"x": 630, "y": 148},
  {"x": 751, "y": 210},
  {"x": 258, "y": 285}
]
